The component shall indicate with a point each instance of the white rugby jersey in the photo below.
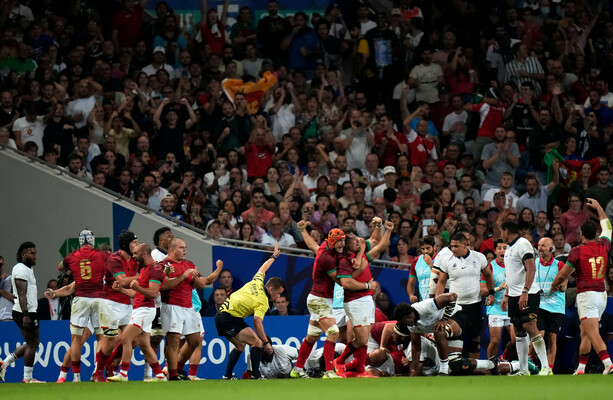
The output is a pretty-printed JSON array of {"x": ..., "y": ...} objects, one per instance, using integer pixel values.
[
  {"x": 514, "y": 265},
  {"x": 281, "y": 364},
  {"x": 429, "y": 315},
  {"x": 465, "y": 276},
  {"x": 442, "y": 258}
]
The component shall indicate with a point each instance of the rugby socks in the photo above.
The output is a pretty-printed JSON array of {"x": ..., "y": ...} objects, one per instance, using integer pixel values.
[
  {"x": 328, "y": 354},
  {"x": 305, "y": 351},
  {"x": 256, "y": 356},
  {"x": 541, "y": 349},
  {"x": 582, "y": 362},
  {"x": 444, "y": 368},
  {"x": 523, "y": 346},
  {"x": 124, "y": 369},
  {"x": 64, "y": 371},
  {"x": 27, "y": 373},
  {"x": 484, "y": 364},
  {"x": 232, "y": 360},
  {"x": 172, "y": 373},
  {"x": 101, "y": 360},
  {"x": 349, "y": 349},
  {"x": 76, "y": 371},
  {"x": 193, "y": 369},
  {"x": 351, "y": 365},
  {"x": 9, "y": 360},
  {"x": 604, "y": 357},
  {"x": 181, "y": 366},
  {"x": 360, "y": 355},
  {"x": 148, "y": 370},
  {"x": 157, "y": 370}
]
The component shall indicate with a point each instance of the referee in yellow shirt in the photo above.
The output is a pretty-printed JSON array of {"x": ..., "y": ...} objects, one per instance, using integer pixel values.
[{"x": 251, "y": 299}]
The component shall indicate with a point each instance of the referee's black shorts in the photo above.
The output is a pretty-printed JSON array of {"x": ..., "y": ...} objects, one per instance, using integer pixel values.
[
  {"x": 470, "y": 318},
  {"x": 228, "y": 325},
  {"x": 529, "y": 314},
  {"x": 18, "y": 318},
  {"x": 550, "y": 322}
]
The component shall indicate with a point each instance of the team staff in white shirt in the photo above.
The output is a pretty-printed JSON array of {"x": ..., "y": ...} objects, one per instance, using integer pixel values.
[{"x": 523, "y": 297}]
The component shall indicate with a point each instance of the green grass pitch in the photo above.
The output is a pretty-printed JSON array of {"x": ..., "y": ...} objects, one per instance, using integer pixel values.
[{"x": 435, "y": 388}]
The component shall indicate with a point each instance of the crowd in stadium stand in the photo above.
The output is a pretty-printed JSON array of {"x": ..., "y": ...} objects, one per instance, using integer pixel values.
[{"x": 419, "y": 114}]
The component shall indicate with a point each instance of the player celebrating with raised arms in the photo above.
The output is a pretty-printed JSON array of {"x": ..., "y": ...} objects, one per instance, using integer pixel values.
[
  {"x": 143, "y": 290},
  {"x": 249, "y": 300},
  {"x": 358, "y": 302},
  {"x": 319, "y": 301},
  {"x": 589, "y": 261}
]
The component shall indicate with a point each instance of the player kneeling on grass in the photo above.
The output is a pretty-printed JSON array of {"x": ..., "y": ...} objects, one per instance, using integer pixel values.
[
  {"x": 275, "y": 365},
  {"x": 433, "y": 316},
  {"x": 249, "y": 300},
  {"x": 143, "y": 290}
]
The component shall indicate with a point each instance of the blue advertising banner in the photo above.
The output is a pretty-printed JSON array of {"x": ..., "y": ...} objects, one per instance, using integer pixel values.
[
  {"x": 55, "y": 341},
  {"x": 296, "y": 272}
]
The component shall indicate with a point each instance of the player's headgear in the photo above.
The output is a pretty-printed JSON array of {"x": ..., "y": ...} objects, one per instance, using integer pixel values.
[
  {"x": 335, "y": 235},
  {"x": 401, "y": 330},
  {"x": 86, "y": 237},
  {"x": 124, "y": 239}
]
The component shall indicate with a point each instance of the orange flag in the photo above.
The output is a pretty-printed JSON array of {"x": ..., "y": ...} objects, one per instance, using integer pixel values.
[{"x": 253, "y": 91}]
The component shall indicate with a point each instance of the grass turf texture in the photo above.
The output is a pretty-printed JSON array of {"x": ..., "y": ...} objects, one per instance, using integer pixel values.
[{"x": 459, "y": 388}]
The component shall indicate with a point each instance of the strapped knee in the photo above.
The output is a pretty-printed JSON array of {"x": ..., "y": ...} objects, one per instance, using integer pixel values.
[
  {"x": 109, "y": 332},
  {"x": 455, "y": 342},
  {"x": 332, "y": 330},
  {"x": 314, "y": 331},
  {"x": 75, "y": 330}
]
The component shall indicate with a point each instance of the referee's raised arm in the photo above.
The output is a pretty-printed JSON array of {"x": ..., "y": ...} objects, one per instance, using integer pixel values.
[{"x": 271, "y": 260}]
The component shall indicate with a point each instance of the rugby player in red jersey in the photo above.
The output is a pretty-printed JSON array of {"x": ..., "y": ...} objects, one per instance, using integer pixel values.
[
  {"x": 358, "y": 302},
  {"x": 143, "y": 290},
  {"x": 88, "y": 266},
  {"x": 178, "y": 315},
  {"x": 115, "y": 307},
  {"x": 589, "y": 262},
  {"x": 319, "y": 301}
]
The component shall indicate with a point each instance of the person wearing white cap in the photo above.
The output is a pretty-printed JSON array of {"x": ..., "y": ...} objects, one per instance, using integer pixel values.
[
  {"x": 159, "y": 62},
  {"x": 389, "y": 177}
]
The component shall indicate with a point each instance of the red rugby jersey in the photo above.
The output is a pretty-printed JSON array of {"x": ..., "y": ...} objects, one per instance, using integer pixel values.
[
  {"x": 325, "y": 262},
  {"x": 180, "y": 295},
  {"x": 87, "y": 266},
  {"x": 345, "y": 269},
  {"x": 151, "y": 273},
  {"x": 117, "y": 265},
  {"x": 590, "y": 262}
]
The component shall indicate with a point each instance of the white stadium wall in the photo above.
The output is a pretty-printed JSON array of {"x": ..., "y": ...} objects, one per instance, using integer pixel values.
[{"x": 47, "y": 207}]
